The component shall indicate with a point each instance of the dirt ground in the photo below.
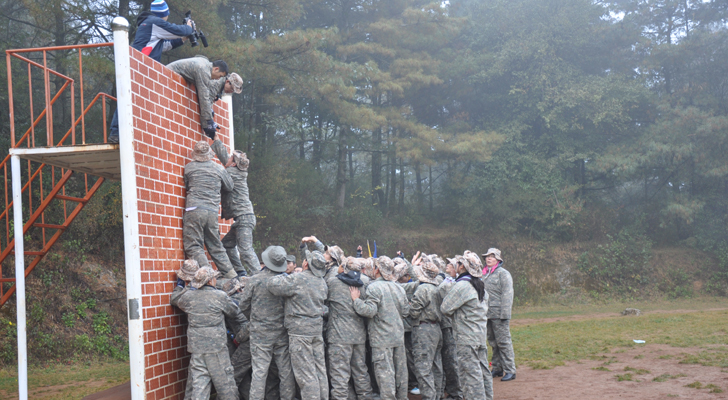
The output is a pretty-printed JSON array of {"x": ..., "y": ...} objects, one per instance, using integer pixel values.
[{"x": 580, "y": 380}]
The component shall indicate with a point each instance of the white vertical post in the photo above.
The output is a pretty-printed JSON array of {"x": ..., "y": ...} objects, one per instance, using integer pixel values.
[
  {"x": 20, "y": 279},
  {"x": 228, "y": 100},
  {"x": 132, "y": 257}
]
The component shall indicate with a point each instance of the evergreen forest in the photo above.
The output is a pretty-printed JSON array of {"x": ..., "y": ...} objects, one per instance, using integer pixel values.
[{"x": 581, "y": 136}]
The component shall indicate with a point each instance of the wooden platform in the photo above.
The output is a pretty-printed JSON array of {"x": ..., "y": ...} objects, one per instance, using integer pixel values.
[{"x": 95, "y": 159}]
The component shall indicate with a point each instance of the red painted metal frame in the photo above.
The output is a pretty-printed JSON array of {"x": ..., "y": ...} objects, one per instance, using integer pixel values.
[{"x": 58, "y": 188}]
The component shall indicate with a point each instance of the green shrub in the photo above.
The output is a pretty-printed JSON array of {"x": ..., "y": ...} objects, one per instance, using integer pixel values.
[
  {"x": 69, "y": 319},
  {"x": 101, "y": 323},
  {"x": 622, "y": 264}
]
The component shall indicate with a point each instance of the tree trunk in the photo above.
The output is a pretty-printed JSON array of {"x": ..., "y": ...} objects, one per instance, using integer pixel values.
[
  {"x": 377, "y": 192},
  {"x": 392, "y": 188},
  {"x": 124, "y": 8},
  {"x": 431, "y": 187},
  {"x": 350, "y": 153},
  {"x": 341, "y": 171},
  {"x": 418, "y": 188},
  {"x": 401, "y": 185}
]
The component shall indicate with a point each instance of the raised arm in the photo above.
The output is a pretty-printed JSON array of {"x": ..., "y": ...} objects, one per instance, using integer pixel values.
[{"x": 282, "y": 285}]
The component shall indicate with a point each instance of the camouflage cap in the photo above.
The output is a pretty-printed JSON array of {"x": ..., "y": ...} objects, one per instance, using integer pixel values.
[
  {"x": 474, "y": 265},
  {"x": 202, "y": 151},
  {"x": 495, "y": 252},
  {"x": 232, "y": 286},
  {"x": 188, "y": 270},
  {"x": 400, "y": 268},
  {"x": 241, "y": 160},
  {"x": 274, "y": 258},
  {"x": 316, "y": 263},
  {"x": 291, "y": 258},
  {"x": 439, "y": 263},
  {"x": 336, "y": 253},
  {"x": 473, "y": 258},
  {"x": 203, "y": 276},
  {"x": 427, "y": 272},
  {"x": 386, "y": 267},
  {"x": 236, "y": 82},
  {"x": 354, "y": 263}
]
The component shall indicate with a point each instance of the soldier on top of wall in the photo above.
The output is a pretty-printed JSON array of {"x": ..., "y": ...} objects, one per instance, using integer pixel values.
[
  {"x": 236, "y": 205},
  {"x": 202, "y": 73},
  {"x": 203, "y": 180}
]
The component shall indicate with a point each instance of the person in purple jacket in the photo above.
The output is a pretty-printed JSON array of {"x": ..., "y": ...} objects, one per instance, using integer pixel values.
[{"x": 154, "y": 36}]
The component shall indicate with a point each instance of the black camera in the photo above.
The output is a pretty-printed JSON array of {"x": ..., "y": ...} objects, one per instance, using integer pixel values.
[{"x": 195, "y": 34}]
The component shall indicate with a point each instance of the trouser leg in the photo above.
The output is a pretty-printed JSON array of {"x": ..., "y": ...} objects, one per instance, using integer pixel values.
[
  {"x": 383, "y": 362},
  {"x": 306, "y": 368},
  {"x": 426, "y": 345},
  {"x": 245, "y": 243},
  {"x": 411, "y": 377},
  {"x": 241, "y": 362},
  {"x": 502, "y": 338},
  {"x": 229, "y": 242},
  {"x": 193, "y": 237},
  {"x": 214, "y": 245},
  {"x": 114, "y": 131},
  {"x": 221, "y": 373},
  {"x": 282, "y": 357},
  {"x": 261, "y": 355},
  {"x": 340, "y": 369},
  {"x": 199, "y": 378},
  {"x": 495, "y": 358},
  {"x": 471, "y": 374},
  {"x": 399, "y": 355},
  {"x": 360, "y": 373},
  {"x": 450, "y": 364}
]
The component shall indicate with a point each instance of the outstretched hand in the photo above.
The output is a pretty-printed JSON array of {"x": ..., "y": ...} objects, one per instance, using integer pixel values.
[
  {"x": 355, "y": 292},
  {"x": 416, "y": 259}
]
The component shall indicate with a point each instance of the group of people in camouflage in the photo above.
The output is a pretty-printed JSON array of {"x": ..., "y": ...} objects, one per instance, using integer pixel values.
[{"x": 334, "y": 326}]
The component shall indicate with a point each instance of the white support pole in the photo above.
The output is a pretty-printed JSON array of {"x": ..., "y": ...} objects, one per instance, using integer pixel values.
[
  {"x": 132, "y": 257},
  {"x": 20, "y": 279},
  {"x": 228, "y": 100}
]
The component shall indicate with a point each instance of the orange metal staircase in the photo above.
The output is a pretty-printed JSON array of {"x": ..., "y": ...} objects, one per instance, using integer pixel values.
[{"x": 50, "y": 189}]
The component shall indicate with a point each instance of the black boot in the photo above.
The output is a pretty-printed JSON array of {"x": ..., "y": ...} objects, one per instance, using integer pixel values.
[
  {"x": 497, "y": 373},
  {"x": 508, "y": 377}
]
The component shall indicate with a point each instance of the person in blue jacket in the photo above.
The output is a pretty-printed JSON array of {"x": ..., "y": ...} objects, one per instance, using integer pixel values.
[{"x": 154, "y": 36}]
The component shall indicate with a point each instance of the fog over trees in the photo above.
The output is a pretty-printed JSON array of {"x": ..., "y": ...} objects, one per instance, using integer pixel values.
[{"x": 554, "y": 120}]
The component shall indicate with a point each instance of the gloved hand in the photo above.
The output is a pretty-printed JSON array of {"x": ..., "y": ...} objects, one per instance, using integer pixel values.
[
  {"x": 209, "y": 129},
  {"x": 180, "y": 283}
]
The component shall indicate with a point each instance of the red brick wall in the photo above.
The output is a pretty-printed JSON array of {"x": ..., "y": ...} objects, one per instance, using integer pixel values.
[{"x": 166, "y": 127}]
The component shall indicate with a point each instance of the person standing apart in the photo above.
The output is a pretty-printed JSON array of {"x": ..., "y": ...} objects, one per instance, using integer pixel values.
[
  {"x": 203, "y": 181},
  {"x": 467, "y": 302},
  {"x": 385, "y": 306},
  {"x": 499, "y": 285}
]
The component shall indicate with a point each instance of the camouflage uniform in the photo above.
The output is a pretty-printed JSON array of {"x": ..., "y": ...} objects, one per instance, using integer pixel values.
[
  {"x": 237, "y": 205},
  {"x": 460, "y": 300},
  {"x": 203, "y": 181},
  {"x": 206, "y": 309},
  {"x": 305, "y": 294},
  {"x": 499, "y": 286},
  {"x": 449, "y": 360},
  {"x": 198, "y": 71},
  {"x": 268, "y": 336},
  {"x": 427, "y": 340},
  {"x": 403, "y": 267},
  {"x": 386, "y": 304},
  {"x": 346, "y": 339}
]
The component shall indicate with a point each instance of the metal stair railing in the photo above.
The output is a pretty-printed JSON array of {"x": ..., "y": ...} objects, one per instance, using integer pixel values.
[{"x": 53, "y": 190}]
